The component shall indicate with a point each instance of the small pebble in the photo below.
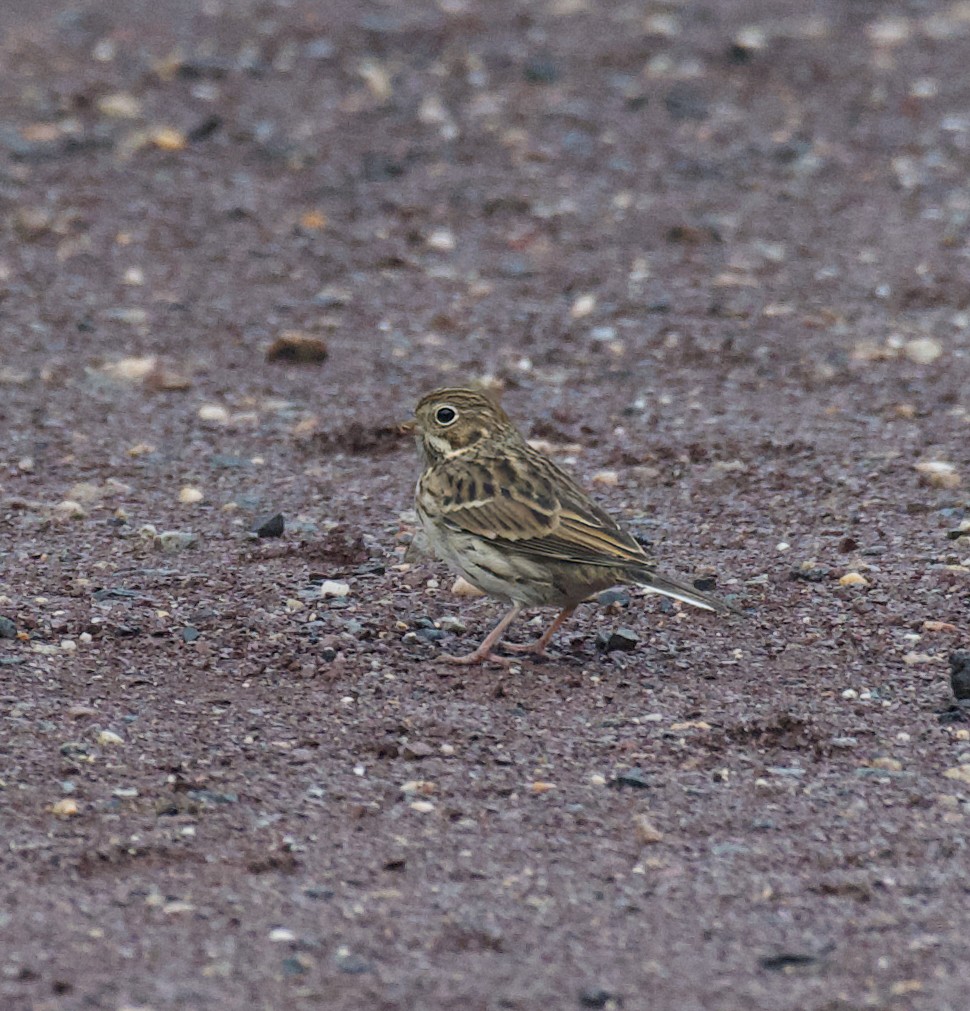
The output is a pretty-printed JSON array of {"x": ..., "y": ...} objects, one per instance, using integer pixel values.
[
  {"x": 853, "y": 579},
  {"x": 334, "y": 588},
  {"x": 938, "y": 474},
  {"x": 190, "y": 496},
  {"x": 8, "y": 630},
  {"x": 297, "y": 348},
  {"x": 646, "y": 833},
  {"x": 109, "y": 737},
  {"x": 960, "y": 674},
  {"x": 65, "y": 808},
  {"x": 923, "y": 350},
  {"x": 583, "y": 306},
  {"x": 280, "y": 935},
  {"x": 442, "y": 240},
  {"x": 215, "y": 413},
  {"x": 633, "y": 778},
  {"x": 174, "y": 540},
  {"x": 540, "y": 787},
  {"x": 960, "y": 773},
  {"x": 270, "y": 526},
  {"x": 623, "y": 639}
]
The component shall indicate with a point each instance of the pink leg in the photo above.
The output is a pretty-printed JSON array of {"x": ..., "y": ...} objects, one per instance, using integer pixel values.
[
  {"x": 538, "y": 648},
  {"x": 484, "y": 652}
]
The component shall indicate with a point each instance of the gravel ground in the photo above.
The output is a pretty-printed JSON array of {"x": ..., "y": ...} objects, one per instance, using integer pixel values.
[{"x": 715, "y": 255}]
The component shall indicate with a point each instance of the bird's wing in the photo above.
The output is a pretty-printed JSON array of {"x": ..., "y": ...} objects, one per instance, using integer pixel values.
[{"x": 526, "y": 502}]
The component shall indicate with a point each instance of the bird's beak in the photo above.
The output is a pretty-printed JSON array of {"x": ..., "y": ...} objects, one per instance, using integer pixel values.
[{"x": 408, "y": 427}]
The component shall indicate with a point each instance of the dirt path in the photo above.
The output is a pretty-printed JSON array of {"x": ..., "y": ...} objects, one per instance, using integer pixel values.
[{"x": 717, "y": 255}]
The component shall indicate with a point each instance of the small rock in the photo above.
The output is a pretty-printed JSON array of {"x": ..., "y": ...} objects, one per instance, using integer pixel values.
[
  {"x": 623, "y": 639},
  {"x": 346, "y": 961},
  {"x": 109, "y": 737},
  {"x": 540, "y": 70},
  {"x": 646, "y": 832},
  {"x": 65, "y": 808},
  {"x": 809, "y": 572},
  {"x": 280, "y": 935},
  {"x": 938, "y": 474},
  {"x": 615, "y": 596},
  {"x": 175, "y": 540},
  {"x": 540, "y": 787},
  {"x": 334, "y": 588},
  {"x": 960, "y": 674},
  {"x": 853, "y": 579},
  {"x": 963, "y": 530},
  {"x": 298, "y": 348},
  {"x": 609, "y": 478},
  {"x": 189, "y": 634},
  {"x": 597, "y": 997},
  {"x": 633, "y": 778},
  {"x": 442, "y": 240},
  {"x": 462, "y": 588},
  {"x": 924, "y": 350},
  {"x": 8, "y": 630},
  {"x": 449, "y": 623},
  {"x": 583, "y": 306},
  {"x": 71, "y": 510},
  {"x": 214, "y": 413},
  {"x": 422, "y": 806},
  {"x": 417, "y": 750},
  {"x": 270, "y": 526},
  {"x": 960, "y": 773},
  {"x": 190, "y": 496}
]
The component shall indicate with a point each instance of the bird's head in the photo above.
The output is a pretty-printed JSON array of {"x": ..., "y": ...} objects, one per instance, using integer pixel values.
[{"x": 448, "y": 422}]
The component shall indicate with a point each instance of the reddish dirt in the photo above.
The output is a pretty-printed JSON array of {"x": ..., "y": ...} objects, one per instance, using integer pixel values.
[{"x": 297, "y": 804}]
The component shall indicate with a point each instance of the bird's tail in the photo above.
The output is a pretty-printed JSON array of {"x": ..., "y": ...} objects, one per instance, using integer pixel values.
[{"x": 656, "y": 582}]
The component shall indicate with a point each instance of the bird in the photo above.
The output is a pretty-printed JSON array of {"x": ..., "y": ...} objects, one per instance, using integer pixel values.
[{"x": 516, "y": 525}]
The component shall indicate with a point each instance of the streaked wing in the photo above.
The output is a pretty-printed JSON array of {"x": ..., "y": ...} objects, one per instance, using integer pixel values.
[{"x": 524, "y": 500}]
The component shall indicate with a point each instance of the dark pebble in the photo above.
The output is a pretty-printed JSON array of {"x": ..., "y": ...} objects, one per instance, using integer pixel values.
[
  {"x": 955, "y": 535},
  {"x": 705, "y": 583},
  {"x": 328, "y": 654},
  {"x": 633, "y": 778},
  {"x": 817, "y": 574},
  {"x": 960, "y": 673},
  {"x": 210, "y": 797},
  {"x": 429, "y": 634},
  {"x": 350, "y": 963},
  {"x": 8, "y": 630},
  {"x": 683, "y": 101},
  {"x": 541, "y": 71},
  {"x": 597, "y": 997},
  {"x": 292, "y": 967},
  {"x": 615, "y": 596},
  {"x": 786, "y": 960},
  {"x": 189, "y": 634},
  {"x": 623, "y": 639},
  {"x": 270, "y": 526}
]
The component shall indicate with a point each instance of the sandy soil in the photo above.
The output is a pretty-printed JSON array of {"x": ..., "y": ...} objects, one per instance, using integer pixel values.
[{"x": 716, "y": 255}]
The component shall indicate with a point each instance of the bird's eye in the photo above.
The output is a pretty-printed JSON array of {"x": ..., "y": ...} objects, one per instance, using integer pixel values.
[{"x": 445, "y": 416}]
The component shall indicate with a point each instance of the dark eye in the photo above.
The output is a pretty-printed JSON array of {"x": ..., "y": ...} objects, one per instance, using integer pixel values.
[{"x": 445, "y": 415}]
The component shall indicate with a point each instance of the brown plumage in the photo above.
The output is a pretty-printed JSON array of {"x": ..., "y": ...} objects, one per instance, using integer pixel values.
[{"x": 516, "y": 525}]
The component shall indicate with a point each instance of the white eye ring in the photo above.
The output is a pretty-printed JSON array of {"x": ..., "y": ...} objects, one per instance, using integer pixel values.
[{"x": 445, "y": 415}]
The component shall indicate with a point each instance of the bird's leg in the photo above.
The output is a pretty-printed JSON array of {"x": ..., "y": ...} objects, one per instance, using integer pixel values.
[
  {"x": 538, "y": 648},
  {"x": 484, "y": 651}
]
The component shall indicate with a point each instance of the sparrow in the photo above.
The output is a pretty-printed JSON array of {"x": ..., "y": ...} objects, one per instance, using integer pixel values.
[{"x": 517, "y": 526}]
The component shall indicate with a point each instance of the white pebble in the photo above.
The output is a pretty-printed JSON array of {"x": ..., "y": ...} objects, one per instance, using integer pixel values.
[{"x": 334, "y": 588}]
